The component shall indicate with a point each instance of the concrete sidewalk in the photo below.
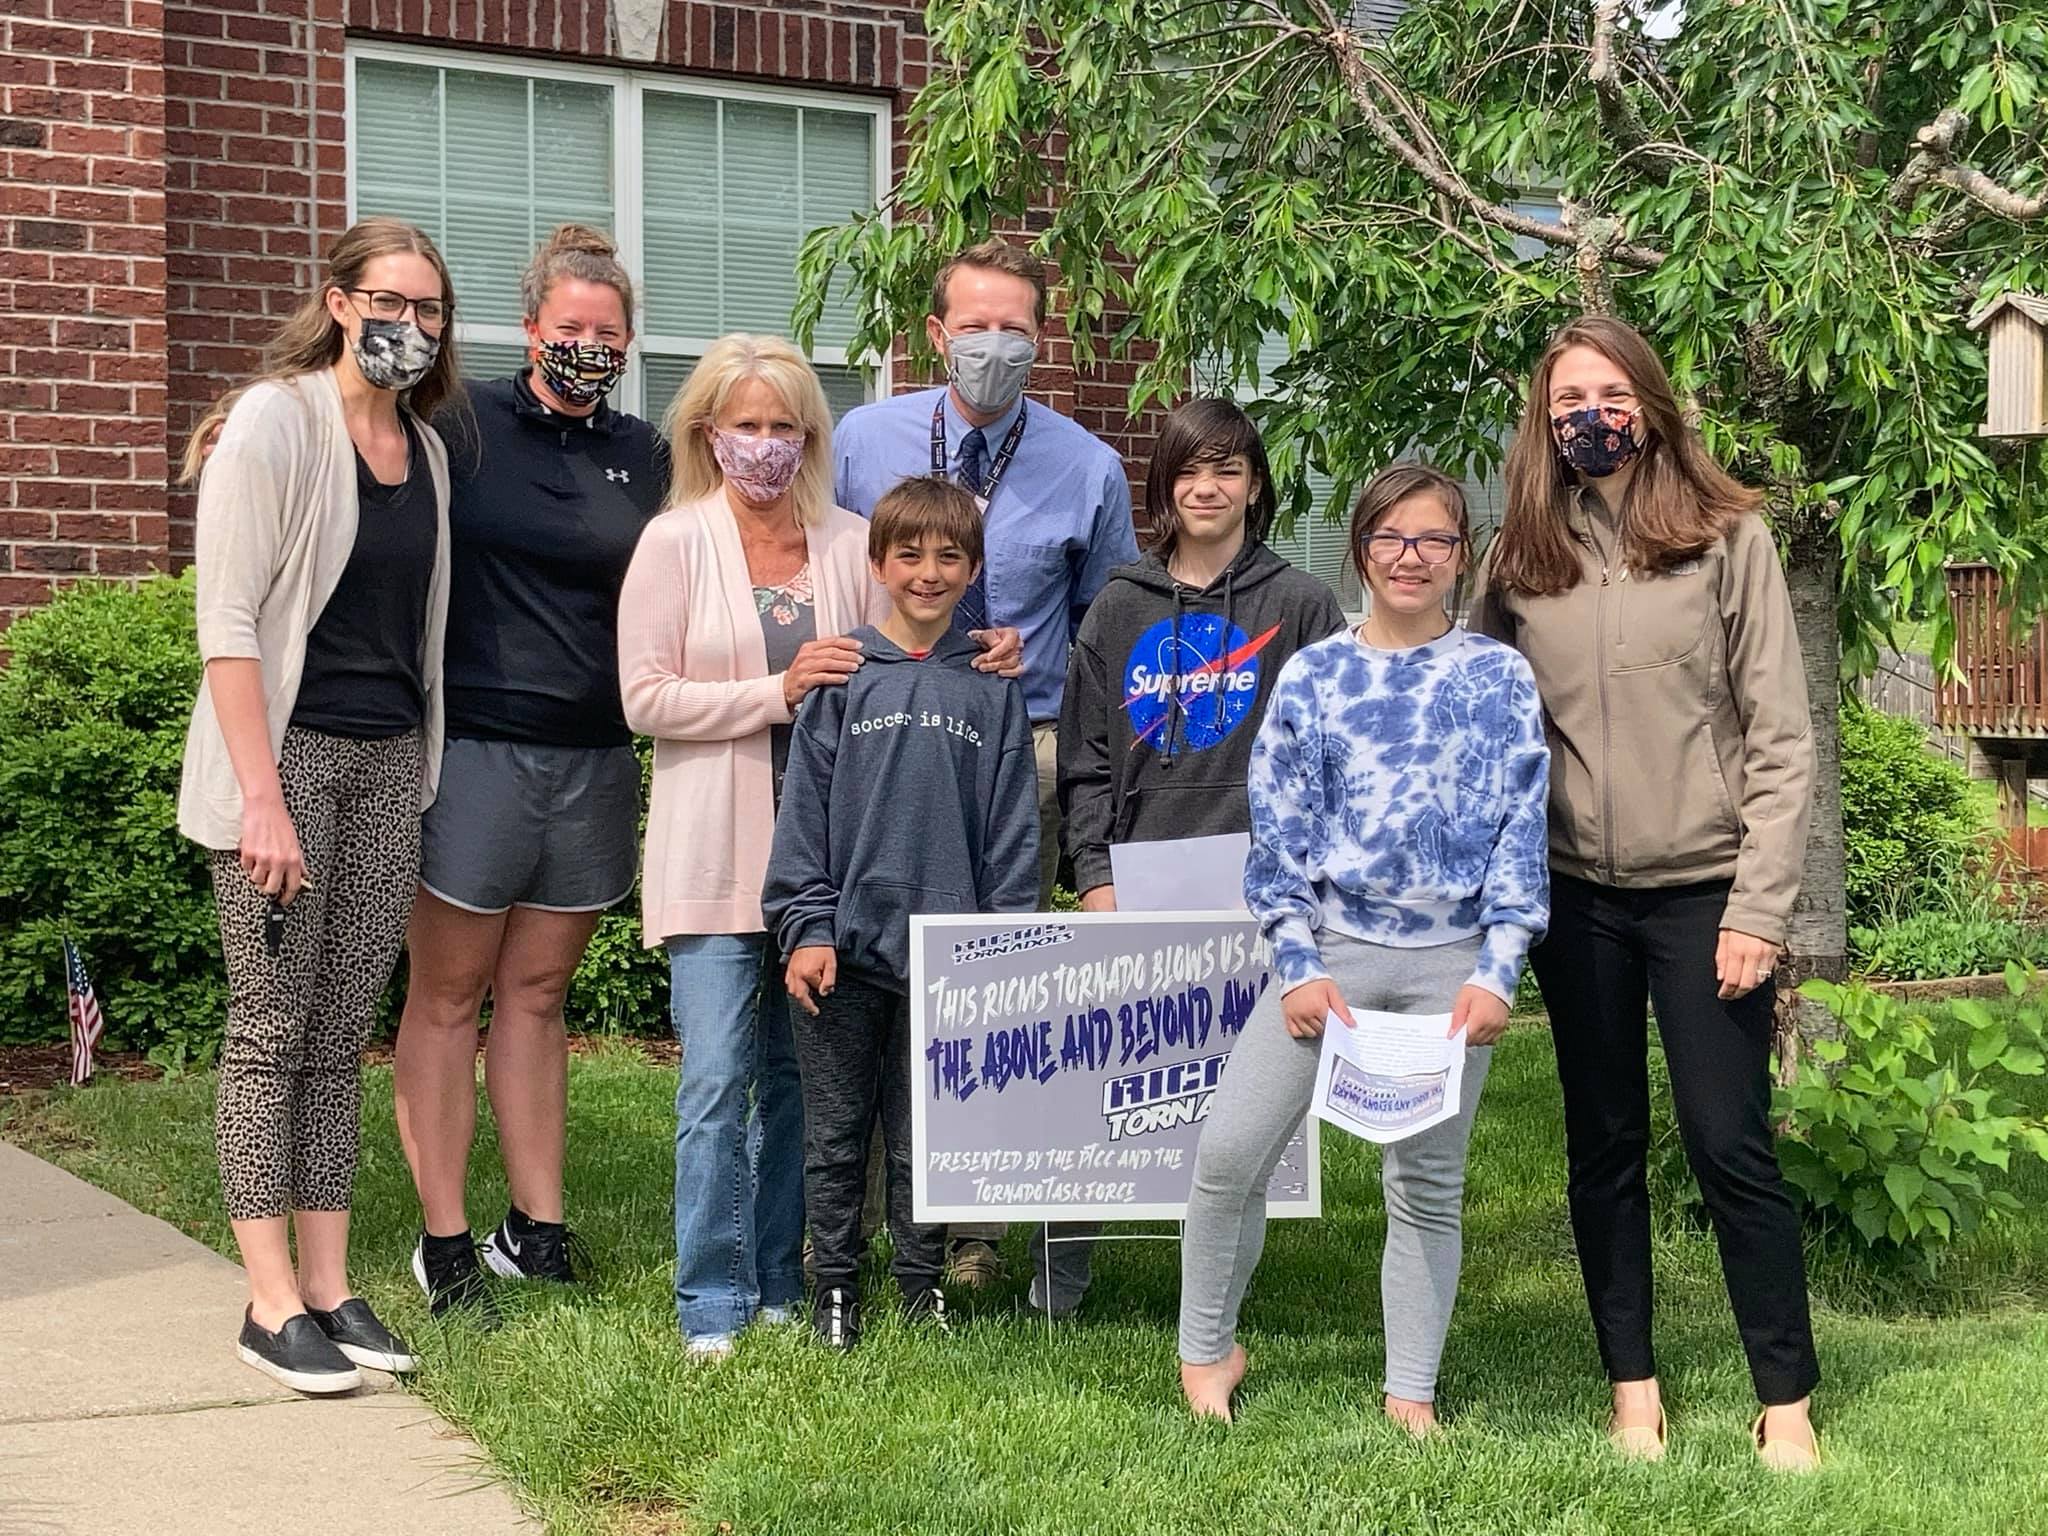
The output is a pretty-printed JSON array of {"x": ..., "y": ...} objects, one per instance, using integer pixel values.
[{"x": 123, "y": 1408}]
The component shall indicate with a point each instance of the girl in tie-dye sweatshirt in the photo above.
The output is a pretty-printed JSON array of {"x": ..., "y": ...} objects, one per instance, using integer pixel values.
[{"x": 1399, "y": 864}]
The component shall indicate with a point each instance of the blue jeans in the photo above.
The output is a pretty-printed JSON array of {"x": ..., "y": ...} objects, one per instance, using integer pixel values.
[{"x": 739, "y": 1133}]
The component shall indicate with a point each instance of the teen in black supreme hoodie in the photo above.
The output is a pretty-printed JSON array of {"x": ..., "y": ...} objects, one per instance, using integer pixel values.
[
  {"x": 913, "y": 789},
  {"x": 1168, "y": 682}
]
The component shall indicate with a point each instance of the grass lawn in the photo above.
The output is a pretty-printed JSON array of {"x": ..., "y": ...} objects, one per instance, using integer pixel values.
[{"x": 1934, "y": 1414}]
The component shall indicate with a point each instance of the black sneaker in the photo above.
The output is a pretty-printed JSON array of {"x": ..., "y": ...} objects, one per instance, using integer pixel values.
[
  {"x": 929, "y": 1307},
  {"x": 522, "y": 1249},
  {"x": 447, "y": 1270},
  {"x": 357, "y": 1333},
  {"x": 835, "y": 1318},
  {"x": 298, "y": 1354}
]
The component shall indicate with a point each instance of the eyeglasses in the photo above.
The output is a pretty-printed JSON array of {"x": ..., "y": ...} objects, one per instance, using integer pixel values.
[
  {"x": 1387, "y": 547},
  {"x": 432, "y": 314}
]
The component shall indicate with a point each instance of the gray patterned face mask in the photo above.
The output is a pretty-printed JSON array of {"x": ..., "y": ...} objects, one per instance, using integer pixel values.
[{"x": 394, "y": 354}]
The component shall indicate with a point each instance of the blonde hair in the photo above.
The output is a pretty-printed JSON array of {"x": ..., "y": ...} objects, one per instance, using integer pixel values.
[
  {"x": 204, "y": 431},
  {"x": 311, "y": 339},
  {"x": 726, "y": 364},
  {"x": 575, "y": 250}
]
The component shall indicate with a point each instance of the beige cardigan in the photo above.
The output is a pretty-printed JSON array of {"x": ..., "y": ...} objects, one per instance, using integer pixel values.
[
  {"x": 275, "y": 526},
  {"x": 693, "y": 672}
]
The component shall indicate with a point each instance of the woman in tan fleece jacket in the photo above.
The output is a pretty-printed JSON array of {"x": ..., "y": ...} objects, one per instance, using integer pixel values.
[{"x": 1637, "y": 578}]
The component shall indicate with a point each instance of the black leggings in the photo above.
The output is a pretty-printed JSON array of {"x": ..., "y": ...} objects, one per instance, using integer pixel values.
[
  {"x": 855, "y": 1058},
  {"x": 1610, "y": 953}
]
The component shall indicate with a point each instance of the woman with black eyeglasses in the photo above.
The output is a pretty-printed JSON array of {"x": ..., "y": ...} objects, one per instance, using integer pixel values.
[{"x": 322, "y": 556}]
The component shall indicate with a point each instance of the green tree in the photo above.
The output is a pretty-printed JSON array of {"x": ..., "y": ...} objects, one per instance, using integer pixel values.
[{"x": 1799, "y": 201}]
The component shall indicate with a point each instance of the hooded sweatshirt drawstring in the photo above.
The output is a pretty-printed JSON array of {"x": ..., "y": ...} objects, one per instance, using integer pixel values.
[
  {"x": 1223, "y": 643},
  {"x": 1174, "y": 708}
]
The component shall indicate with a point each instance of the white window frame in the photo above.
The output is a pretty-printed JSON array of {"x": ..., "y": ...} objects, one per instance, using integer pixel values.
[{"x": 629, "y": 88}]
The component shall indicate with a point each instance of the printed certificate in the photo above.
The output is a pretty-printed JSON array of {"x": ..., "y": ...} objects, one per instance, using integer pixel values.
[{"x": 1392, "y": 1076}]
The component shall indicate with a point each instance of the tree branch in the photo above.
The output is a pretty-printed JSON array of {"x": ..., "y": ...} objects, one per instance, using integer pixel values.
[
  {"x": 1981, "y": 189},
  {"x": 1618, "y": 115},
  {"x": 1360, "y": 77},
  {"x": 1934, "y": 160}
]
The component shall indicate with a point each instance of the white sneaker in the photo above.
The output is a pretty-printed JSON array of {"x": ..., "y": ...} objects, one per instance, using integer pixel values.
[
  {"x": 709, "y": 1346},
  {"x": 775, "y": 1317}
]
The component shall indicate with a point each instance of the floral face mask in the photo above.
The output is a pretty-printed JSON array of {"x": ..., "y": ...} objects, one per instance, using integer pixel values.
[{"x": 1597, "y": 440}]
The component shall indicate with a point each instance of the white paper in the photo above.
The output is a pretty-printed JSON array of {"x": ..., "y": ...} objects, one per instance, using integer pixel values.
[
  {"x": 1183, "y": 874},
  {"x": 1396, "y": 1074}
]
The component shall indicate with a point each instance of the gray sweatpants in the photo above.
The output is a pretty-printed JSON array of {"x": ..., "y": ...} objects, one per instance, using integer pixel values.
[{"x": 1263, "y": 1095}]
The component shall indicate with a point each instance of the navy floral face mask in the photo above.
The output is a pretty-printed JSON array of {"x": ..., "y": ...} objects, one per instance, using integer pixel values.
[{"x": 1597, "y": 440}]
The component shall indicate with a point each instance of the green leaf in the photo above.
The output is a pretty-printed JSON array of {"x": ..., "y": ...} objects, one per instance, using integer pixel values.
[
  {"x": 1987, "y": 1045},
  {"x": 1904, "y": 1184},
  {"x": 2023, "y": 1061}
]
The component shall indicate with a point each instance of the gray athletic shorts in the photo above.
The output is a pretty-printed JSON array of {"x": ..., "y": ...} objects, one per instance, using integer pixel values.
[{"x": 520, "y": 825}]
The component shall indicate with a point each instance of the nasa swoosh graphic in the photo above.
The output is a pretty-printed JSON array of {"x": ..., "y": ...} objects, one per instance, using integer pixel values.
[{"x": 1236, "y": 658}]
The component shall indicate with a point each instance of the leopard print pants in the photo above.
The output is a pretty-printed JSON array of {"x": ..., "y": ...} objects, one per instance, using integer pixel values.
[{"x": 291, "y": 1065}]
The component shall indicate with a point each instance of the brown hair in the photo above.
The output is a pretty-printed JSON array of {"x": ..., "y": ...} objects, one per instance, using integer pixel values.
[
  {"x": 1205, "y": 431},
  {"x": 575, "y": 250},
  {"x": 205, "y": 432},
  {"x": 994, "y": 254},
  {"x": 311, "y": 339},
  {"x": 1679, "y": 502},
  {"x": 922, "y": 507},
  {"x": 1394, "y": 485}
]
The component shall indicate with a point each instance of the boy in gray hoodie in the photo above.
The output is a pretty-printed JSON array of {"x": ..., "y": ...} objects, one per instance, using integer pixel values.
[{"x": 910, "y": 790}]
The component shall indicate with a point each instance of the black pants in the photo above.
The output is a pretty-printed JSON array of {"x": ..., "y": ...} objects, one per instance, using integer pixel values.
[
  {"x": 855, "y": 1059},
  {"x": 1609, "y": 953}
]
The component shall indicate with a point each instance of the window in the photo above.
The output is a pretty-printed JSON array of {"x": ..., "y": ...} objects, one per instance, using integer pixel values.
[{"x": 710, "y": 190}]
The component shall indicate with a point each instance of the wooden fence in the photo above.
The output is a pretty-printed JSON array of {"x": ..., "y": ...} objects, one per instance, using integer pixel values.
[{"x": 1905, "y": 685}]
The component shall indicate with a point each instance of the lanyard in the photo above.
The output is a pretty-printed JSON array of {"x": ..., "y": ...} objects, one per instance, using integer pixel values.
[{"x": 1004, "y": 454}]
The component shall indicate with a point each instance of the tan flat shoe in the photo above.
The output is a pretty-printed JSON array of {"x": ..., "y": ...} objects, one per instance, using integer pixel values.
[
  {"x": 1637, "y": 1442},
  {"x": 1784, "y": 1455}
]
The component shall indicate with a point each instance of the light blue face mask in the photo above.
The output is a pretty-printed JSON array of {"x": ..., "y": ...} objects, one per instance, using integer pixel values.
[{"x": 989, "y": 369}]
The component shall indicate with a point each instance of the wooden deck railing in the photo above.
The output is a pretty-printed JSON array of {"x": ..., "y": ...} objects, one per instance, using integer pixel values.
[{"x": 2004, "y": 686}]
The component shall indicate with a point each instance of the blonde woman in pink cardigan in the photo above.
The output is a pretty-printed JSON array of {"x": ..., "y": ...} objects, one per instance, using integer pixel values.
[{"x": 736, "y": 605}]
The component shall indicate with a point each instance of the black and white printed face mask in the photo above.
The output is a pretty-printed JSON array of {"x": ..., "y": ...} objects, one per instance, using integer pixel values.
[{"x": 394, "y": 354}]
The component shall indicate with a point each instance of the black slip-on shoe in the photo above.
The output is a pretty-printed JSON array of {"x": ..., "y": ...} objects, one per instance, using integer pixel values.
[
  {"x": 928, "y": 1307},
  {"x": 454, "y": 1281},
  {"x": 357, "y": 1333},
  {"x": 542, "y": 1251},
  {"x": 298, "y": 1354},
  {"x": 835, "y": 1318}
]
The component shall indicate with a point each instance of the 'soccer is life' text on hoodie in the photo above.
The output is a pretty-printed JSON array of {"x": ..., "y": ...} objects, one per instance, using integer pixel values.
[
  {"x": 1165, "y": 691},
  {"x": 911, "y": 790}
]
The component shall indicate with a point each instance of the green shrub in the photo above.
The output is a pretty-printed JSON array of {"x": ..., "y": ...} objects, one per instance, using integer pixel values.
[
  {"x": 1930, "y": 945},
  {"x": 1912, "y": 822},
  {"x": 1893, "y": 1126},
  {"x": 93, "y": 708}
]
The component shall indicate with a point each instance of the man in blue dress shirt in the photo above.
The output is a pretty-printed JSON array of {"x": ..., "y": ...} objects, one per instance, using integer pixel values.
[{"x": 1057, "y": 510}]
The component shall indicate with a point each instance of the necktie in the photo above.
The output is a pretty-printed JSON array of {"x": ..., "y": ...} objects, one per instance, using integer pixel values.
[
  {"x": 972, "y": 613},
  {"x": 974, "y": 460}
]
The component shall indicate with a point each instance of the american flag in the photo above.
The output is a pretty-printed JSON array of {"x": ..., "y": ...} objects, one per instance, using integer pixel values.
[{"x": 86, "y": 1022}]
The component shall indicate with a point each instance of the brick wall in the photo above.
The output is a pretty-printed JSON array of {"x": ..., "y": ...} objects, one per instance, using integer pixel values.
[
  {"x": 254, "y": 165},
  {"x": 255, "y": 139},
  {"x": 81, "y": 293}
]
